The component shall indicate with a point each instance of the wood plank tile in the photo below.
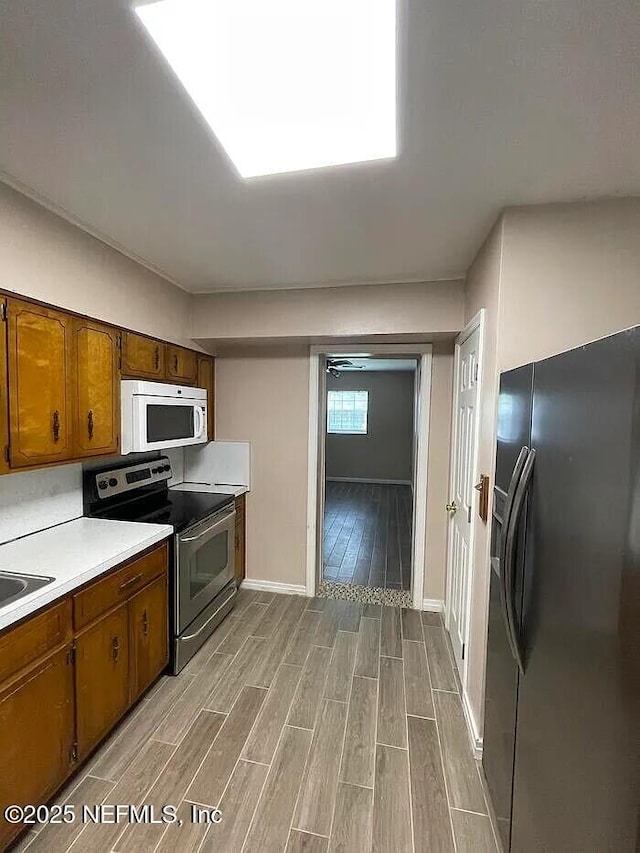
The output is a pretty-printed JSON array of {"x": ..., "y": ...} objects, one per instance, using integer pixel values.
[
  {"x": 303, "y": 638},
  {"x": 463, "y": 782},
  {"x": 135, "y": 782},
  {"x": 304, "y": 842},
  {"x": 473, "y": 833},
  {"x": 184, "y": 711},
  {"x": 351, "y": 831},
  {"x": 372, "y": 611},
  {"x": 417, "y": 683},
  {"x": 129, "y": 738},
  {"x": 317, "y": 604},
  {"x": 431, "y": 619},
  {"x": 185, "y": 837},
  {"x": 330, "y": 623},
  {"x": 276, "y": 646},
  {"x": 239, "y": 672},
  {"x": 392, "y": 724},
  {"x": 411, "y": 625},
  {"x": 217, "y": 767},
  {"x": 316, "y": 801},
  {"x": 351, "y": 617},
  {"x": 244, "y": 598},
  {"x": 237, "y": 807},
  {"x": 263, "y": 740},
  {"x": 273, "y": 614},
  {"x": 367, "y": 658},
  {"x": 243, "y": 628},
  {"x": 310, "y": 689},
  {"x": 59, "y": 836},
  {"x": 341, "y": 667},
  {"x": 358, "y": 759},
  {"x": 440, "y": 667},
  {"x": 269, "y": 830},
  {"x": 431, "y": 822},
  {"x": 172, "y": 784},
  {"x": 391, "y": 812},
  {"x": 391, "y": 633},
  {"x": 264, "y": 597}
]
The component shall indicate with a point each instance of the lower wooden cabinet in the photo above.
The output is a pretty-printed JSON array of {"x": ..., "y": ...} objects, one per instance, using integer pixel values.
[
  {"x": 37, "y": 717},
  {"x": 148, "y": 636},
  {"x": 102, "y": 677},
  {"x": 240, "y": 543},
  {"x": 69, "y": 673}
]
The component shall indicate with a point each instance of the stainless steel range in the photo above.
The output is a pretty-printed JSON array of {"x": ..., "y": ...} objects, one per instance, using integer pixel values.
[{"x": 202, "y": 588}]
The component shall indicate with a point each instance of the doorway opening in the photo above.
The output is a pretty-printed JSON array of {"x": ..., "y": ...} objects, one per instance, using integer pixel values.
[{"x": 369, "y": 416}]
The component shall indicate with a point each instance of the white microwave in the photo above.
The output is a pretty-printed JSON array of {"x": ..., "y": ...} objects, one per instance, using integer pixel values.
[{"x": 156, "y": 416}]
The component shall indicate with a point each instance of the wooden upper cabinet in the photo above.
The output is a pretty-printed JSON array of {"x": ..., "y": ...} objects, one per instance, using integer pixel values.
[
  {"x": 36, "y": 735},
  {"x": 143, "y": 358},
  {"x": 181, "y": 365},
  {"x": 102, "y": 677},
  {"x": 207, "y": 379},
  {"x": 41, "y": 384},
  {"x": 97, "y": 398},
  {"x": 4, "y": 395},
  {"x": 148, "y": 635}
]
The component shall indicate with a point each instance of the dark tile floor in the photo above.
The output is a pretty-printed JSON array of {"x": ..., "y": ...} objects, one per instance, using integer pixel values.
[
  {"x": 367, "y": 535},
  {"x": 314, "y": 725}
]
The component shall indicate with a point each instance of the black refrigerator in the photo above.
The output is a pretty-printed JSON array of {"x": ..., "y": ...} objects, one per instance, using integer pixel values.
[{"x": 562, "y": 713}]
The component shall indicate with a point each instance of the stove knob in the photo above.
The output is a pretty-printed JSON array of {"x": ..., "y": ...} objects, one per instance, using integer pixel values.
[
  {"x": 113, "y": 482},
  {"x": 154, "y": 470},
  {"x": 103, "y": 484},
  {"x": 167, "y": 468}
]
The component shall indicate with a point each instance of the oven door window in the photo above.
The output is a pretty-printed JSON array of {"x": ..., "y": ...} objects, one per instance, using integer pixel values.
[
  {"x": 167, "y": 422},
  {"x": 205, "y": 566}
]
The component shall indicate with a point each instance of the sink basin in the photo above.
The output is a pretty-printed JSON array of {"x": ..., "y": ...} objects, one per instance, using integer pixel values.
[{"x": 14, "y": 586}]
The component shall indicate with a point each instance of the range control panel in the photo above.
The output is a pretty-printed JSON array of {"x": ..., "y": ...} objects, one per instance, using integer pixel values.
[{"x": 110, "y": 483}]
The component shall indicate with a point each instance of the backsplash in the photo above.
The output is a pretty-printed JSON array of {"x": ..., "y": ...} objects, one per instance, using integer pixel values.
[{"x": 34, "y": 500}]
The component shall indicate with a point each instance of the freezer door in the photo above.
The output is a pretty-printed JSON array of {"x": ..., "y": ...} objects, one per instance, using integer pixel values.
[
  {"x": 577, "y": 763},
  {"x": 501, "y": 686}
]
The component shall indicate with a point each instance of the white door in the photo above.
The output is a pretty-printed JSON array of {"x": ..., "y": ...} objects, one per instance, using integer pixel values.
[{"x": 461, "y": 494}]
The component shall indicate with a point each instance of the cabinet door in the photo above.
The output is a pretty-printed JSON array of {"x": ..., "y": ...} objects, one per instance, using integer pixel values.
[
  {"x": 181, "y": 365},
  {"x": 40, "y": 384},
  {"x": 97, "y": 389},
  {"x": 36, "y": 735},
  {"x": 4, "y": 396},
  {"x": 102, "y": 677},
  {"x": 206, "y": 379},
  {"x": 240, "y": 543},
  {"x": 142, "y": 357},
  {"x": 148, "y": 635}
]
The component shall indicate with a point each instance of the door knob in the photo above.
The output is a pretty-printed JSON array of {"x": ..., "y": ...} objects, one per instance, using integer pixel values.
[{"x": 452, "y": 507}]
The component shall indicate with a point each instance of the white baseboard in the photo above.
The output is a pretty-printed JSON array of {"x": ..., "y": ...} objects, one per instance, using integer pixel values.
[
  {"x": 435, "y": 605},
  {"x": 472, "y": 726},
  {"x": 369, "y": 480},
  {"x": 274, "y": 586}
]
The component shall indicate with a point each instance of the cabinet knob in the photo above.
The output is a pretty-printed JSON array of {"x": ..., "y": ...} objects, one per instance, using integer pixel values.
[
  {"x": 175, "y": 363},
  {"x": 90, "y": 424},
  {"x": 145, "y": 623},
  {"x": 55, "y": 427},
  {"x": 156, "y": 358},
  {"x": 115, "y": 648}
]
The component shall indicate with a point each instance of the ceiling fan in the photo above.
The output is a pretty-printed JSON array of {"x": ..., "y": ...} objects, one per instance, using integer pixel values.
[{"x": 334, "y": 365}]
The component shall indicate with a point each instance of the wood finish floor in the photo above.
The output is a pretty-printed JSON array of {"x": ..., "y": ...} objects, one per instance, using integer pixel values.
[
  {"x": 313, "y": 724},
  {"x": 367, "y": 534}
]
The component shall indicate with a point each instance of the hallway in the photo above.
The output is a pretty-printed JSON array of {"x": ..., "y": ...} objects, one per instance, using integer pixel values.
[
  {"x": 367, "y": 534},
  {"x": 314, "y": 725}
]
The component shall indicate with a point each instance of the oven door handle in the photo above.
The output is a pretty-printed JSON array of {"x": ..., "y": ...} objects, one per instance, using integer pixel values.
[{"x": 221, "y": 523}]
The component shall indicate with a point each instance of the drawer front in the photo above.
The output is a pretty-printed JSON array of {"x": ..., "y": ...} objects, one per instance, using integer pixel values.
[
  {"x": 26, "y": 643},
  {"x": 118, "y": 586}
]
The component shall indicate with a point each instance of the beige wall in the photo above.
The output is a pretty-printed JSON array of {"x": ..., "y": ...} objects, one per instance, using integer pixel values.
[
  {"x": 262, "y": 396},
  {"x": 570, "y": 274},
  {"x": 330, "y": 312},
  {"x": 48, "y": 259},
  {"x": 386, "y": 451}
]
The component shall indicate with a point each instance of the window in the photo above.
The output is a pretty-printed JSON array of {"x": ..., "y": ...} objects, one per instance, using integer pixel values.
[
  {"x": 347, "y": 412},
  {"x": 285, "y": 85}
]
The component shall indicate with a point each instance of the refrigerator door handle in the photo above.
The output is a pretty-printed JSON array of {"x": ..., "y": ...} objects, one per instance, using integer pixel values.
[
  {"x": 513, "y": 484},
  {"x": 510, "y": 557}
]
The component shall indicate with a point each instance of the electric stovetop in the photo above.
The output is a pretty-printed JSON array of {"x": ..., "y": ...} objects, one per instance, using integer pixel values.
[{"x": 179, "y": 509}]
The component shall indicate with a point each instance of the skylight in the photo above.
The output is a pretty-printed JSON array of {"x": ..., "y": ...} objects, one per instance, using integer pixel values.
[{"x": 286, "y": 85}]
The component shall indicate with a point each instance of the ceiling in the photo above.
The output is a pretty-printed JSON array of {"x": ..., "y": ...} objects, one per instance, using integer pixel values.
[{"x": 500, "y": 102}]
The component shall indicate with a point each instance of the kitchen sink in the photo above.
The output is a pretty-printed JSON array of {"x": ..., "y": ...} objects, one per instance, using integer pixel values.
[{"x": 14, "y": 586}]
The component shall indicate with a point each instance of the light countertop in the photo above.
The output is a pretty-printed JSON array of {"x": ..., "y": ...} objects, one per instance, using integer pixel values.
[
  {"x": 214, "y": 488},
  {"x": 72, "y": 553}
]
